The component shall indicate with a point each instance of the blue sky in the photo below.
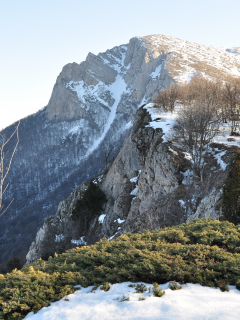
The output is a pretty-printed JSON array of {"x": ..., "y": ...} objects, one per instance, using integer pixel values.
[{"x": 39, "y": 37}]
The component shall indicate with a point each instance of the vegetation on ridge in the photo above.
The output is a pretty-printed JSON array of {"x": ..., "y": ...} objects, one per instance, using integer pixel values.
[
  {"x": 91, "y": 203},
  {"x": 202, "y": 251}
]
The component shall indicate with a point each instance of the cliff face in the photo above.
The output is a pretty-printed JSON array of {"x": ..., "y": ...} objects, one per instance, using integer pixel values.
[
  {"x": 92, "y": 107},
  {"x": 149, "y": 185}
]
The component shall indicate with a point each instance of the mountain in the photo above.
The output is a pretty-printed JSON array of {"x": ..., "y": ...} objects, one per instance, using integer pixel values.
[
  {"x": 150, "y": 185},
  {"x": 91, "y": 108}
]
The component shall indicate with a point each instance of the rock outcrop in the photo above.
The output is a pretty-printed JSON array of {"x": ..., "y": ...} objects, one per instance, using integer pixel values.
[
  {"x": 92, "y": 106},
  {"x": 145, "y": 188}
]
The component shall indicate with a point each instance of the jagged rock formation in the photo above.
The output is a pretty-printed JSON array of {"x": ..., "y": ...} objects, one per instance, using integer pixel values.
[
  {"x": 145, "y": 189},
  {"x": 91, "y": 107}
]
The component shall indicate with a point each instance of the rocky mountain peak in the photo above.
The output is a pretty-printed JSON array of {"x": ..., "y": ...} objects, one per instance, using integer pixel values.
[{"x": 92, "y": 107}]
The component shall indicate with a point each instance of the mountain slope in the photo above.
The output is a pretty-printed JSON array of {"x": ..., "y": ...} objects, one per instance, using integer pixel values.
[
  {"x": 150, "y": 185},
  {"x": 92, "y": 107}
]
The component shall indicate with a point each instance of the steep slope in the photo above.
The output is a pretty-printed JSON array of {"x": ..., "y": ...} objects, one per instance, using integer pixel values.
[
  {"x": 149, "y": 185},
  {"x": 92, "y": 107}
]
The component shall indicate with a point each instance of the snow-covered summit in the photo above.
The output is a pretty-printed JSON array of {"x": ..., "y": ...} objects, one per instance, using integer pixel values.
[{"x": 185, "y": 57}]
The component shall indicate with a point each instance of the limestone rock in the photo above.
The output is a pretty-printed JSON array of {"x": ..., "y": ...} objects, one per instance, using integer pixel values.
[{"x": 144, "y": 190}]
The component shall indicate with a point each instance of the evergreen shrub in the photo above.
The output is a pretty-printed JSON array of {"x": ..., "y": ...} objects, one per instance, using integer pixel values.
[
  {"x": 92, "y": 201},
  {"x": 202, "y": 251}
]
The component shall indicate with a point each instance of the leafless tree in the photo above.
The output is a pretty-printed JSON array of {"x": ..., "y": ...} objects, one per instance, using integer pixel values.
[
  {"x": 198, "y": 120},
  {"x": 166, "y": 98},
  {"x": 4, "y": 169},
  {"x": 231, "y": 102}
]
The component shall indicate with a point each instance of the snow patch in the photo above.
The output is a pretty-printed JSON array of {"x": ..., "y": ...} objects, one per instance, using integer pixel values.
[
  {"x": 193, "y": 301},
  {"x": 162, "y": 119},
  {"x": 155, "y": 74},
  {"x": 170, "y": 149},
  {"x": 119, "y": 221},
  {"x": 218, "y": 157},
  {"x": 79, "y": 242},
  {"x": 113, "y": 236},
  {"x": 187, "y": 180},
  {"x": 182, "y": 203},
  {"x": 59, "y": 237},
  {"x": 101, "y": 218},
  {"x": 134, "y": 192}
]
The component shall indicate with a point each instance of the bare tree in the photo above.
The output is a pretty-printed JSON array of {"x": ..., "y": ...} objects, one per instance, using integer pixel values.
[
  {"x": 198, "y": 120},
  {"x": 167, "y": 98},
  {"x": 231, "y": 102},
  {"x": 5, "y": 170}
]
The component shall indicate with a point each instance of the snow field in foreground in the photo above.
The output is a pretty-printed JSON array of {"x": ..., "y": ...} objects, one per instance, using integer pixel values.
[{"x": 191, "y": 302}]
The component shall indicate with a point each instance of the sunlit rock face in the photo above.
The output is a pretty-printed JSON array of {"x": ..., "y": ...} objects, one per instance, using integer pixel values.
[
  {"x": 92, "y": 106},
  {"x": 149, "y": 185}
]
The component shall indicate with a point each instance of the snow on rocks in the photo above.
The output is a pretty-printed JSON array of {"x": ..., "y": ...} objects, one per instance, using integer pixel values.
[
  {"x": 193, "y": 301},
  {"x": 135, "y": 180},
  {"x": 101, "y": 218},
  {"x": 218, "y": 157},
  {"x": 79, "y": 242},
  {"x": 161, "y": 119},
  {"x": 98, "y": 179},
  {"x": 119, "y": 221},
  {"x": 188, "y": 176},
  {"x": 134, "y": 191},
  {"x": 59, "y": 237}
]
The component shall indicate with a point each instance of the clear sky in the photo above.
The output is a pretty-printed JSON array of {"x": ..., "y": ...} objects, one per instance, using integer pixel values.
[{"x": 39, "y": 37}]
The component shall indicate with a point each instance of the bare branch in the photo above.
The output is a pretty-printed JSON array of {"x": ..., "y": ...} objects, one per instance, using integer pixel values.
[
  {"x": 10, "y": 162},
  {"x": 4, "y": 174},
  {"x": 6, "y": 208}
]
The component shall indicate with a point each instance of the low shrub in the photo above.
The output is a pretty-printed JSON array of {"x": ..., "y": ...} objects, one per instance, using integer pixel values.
[
  {"x": 174, "y": 286},
  {"x": 105, "y": 286},
  {"x": 158, "y": 292},
  {"x": 140, "y": 288},
  {"x": 202, "y": 251}
]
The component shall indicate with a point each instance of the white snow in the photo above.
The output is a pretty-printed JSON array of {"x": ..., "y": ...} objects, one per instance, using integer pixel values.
[
  {"x": 156, "y": 73},
  {"x": 113, "y": 236},
  {"x": 165, "y": 120},
  {"x": 191, "y": 302},
  {"x": 182, "y": 203},
  {"x": 188, "y": 175},
  {"x": 134, "y": 191},
  {"x": 170, "y": 149},
  {"x": 117, "y": 88},
  {"x": 79, "y": 242},
  {"x": 218, "y": 156},
  {"x": 98, "y": 179},
  {"x": 101, "y": 218},
  {"x": 134, "y": 179},
  {"x": 161, "y": 119},
  {"x": 119, "y": 221},
  {"x": 59, "y": 237},
  {"x": 187, "y": 156}
]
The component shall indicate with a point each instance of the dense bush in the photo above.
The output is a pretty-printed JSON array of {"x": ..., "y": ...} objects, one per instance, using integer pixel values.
[
  {"x": 13, "y": 263},
  {"x": 91, "y": 203},
  {"x": 202, "y": 251}
]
